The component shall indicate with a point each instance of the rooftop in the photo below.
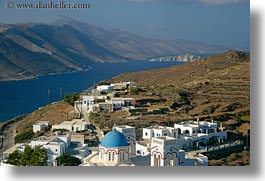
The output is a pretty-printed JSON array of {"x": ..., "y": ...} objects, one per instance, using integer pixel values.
[
  {"x": 42, "y": 122},
  {"x": 13, "y": 148},
  {"x": 123, "y": 126},
  {"x": 164, "y": 138}
]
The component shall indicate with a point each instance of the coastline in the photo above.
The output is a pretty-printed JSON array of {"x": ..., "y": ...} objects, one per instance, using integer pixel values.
[
  {"x": 7, "y": 132},
  {"x": 50, "y": 74}
]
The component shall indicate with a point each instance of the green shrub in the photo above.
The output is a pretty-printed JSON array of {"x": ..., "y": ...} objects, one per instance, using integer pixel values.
[
  {"x": 71, "y": 98},
  {"x": 104, "y": 83},
  {"x": 96, "y": 101},
  {"x": 67, "y": 160},
  {"x": 92, "y": 115},
  {"x": 23, "y": 137},
  {"x": 36, "y": 156},
  {"x": 134, "y": 91},
  {"x": 61, "y": 130}
]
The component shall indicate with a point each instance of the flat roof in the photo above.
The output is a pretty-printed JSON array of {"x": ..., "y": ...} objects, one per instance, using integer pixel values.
[
  {"x": 55, "y": 143},
  {"x": 41, "y": 122},
  {"x": 123, "y": 126},
  {"x": 13, "y": 148},
  {"x": 164, "y": 138}
]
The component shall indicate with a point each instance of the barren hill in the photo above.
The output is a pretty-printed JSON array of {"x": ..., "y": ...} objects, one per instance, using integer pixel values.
[{"x": 217, "y": 86}]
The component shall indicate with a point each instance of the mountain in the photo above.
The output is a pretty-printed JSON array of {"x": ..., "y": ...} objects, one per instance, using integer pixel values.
[
  {"x": 217, "y": 86},
  {"x": 31, "y": 49}
]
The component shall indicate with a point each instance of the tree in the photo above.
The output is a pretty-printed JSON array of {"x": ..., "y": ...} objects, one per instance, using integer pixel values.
[
  {"x": 104, "y": 83},
  {"x": 25, "y": 158},
  {"x": 36, "y": 156},
  {"x": 67, "y": 160},
  {"x": 14, "y": 158},
  {"x": 39, "y": 157},
  {"x": 71, "y": 98}
]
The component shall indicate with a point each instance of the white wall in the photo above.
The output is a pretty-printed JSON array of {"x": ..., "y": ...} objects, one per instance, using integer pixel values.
[{"x": 142, "y": 150}]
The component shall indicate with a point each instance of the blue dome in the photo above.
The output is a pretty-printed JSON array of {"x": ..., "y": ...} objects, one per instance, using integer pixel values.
[{"x": 114, "y": 139}]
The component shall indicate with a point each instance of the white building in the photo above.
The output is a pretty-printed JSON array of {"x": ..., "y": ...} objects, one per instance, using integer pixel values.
[
  {"x": 165, "y": 153},
  {"x": 86, "y": 101},
  {"x": 58, "y": 144},
  {"x": 158, "y": 131},
  {"x": 19, "y": 146},
  {"x": 202, "y": 130},
  {"x": 105, "y": 88},
  {"x": 115, "y": 151},
  {"x": 189, "y": 134},
  {"x": 40, "y": 126},
  {"x": 120, "y": 102},
  {"x": 79, "y": 125},
  {"x": 143, "y": 148},
  {"x": 130, "y": 135},
  {"x": 74, "y": 125}
]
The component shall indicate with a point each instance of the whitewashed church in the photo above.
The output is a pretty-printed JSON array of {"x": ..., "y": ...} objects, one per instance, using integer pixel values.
[{"x": 118, "y": 148}]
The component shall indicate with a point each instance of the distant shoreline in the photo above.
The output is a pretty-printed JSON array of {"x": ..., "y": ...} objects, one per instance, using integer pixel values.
[{"x": 50, "y": 74}]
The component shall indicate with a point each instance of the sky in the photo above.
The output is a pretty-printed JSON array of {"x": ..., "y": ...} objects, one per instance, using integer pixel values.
[{"x": 219, "y": 22}]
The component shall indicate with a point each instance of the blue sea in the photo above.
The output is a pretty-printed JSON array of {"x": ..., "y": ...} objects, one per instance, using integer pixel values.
[{"x": 23, "y": 97}]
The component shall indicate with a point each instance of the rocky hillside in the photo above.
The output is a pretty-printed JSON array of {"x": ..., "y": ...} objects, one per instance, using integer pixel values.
[
  {"x": 213, "y": 87},
  {"x": 177, "y": 58},
  {"x": 28, "y": 50}
]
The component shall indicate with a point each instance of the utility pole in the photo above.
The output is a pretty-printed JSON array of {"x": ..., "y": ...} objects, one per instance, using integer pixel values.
[
  {"x": 48, "y": 97},
  {"x": 81, "y": 107},
  {"x": 61, "y": 93}
]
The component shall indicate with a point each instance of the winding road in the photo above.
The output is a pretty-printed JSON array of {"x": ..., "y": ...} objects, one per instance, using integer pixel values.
[{"x": 8, "y": 136}]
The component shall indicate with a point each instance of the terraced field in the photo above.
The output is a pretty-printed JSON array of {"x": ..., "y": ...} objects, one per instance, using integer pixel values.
[{"x": 214, "y": 87}]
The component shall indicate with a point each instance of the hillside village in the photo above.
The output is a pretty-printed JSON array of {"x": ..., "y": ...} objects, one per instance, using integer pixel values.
[{"x": 109, "y": 131}]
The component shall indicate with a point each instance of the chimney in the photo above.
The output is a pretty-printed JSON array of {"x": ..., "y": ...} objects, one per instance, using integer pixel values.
[{"x": 198, "y": 120}]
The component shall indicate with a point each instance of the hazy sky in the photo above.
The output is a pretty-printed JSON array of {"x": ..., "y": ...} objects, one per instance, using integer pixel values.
[{"x": 224, "y": 22}]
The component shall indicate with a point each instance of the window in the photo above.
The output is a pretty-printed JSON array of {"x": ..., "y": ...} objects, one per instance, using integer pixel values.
[
  {"x": 138, "y": 152},
  {"x": 146, "y": 133},
  {"x": 165, "y": 134},
  {"x": 109, "y": 156},
  {"x": 56, "y": 150},
  {"x": 113, "y": 156},
  {"x": 171, "y": 163},
  {"x": 121, "y": 155}
]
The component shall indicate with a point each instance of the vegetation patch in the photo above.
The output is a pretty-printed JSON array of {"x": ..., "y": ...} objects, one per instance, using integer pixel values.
[
  {"x": 71, "y": 98},
  {"x": 24, "y": 136},
  {"x": 36, "y": 156},
  {"x": 67, "y": 160}
]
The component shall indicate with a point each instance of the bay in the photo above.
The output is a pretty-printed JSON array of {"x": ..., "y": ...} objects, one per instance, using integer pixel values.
[{"x": 23, "y": 97}]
